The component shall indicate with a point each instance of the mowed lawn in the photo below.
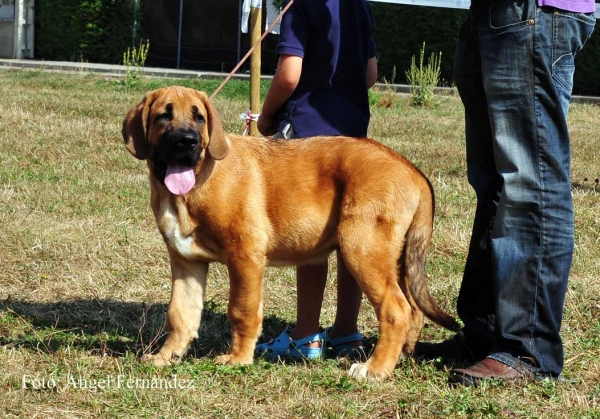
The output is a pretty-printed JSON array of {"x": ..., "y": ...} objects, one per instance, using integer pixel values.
[{"x": 85, "y": 280}]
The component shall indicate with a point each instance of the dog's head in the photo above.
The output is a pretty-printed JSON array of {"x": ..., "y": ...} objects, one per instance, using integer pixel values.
[{"x": 175, "y": 128}]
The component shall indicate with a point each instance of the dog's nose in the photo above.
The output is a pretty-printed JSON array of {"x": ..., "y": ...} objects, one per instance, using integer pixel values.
[{"x": 186, "y": 141}]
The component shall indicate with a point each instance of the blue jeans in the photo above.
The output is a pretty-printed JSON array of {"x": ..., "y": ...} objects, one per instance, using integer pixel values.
[{"x": 514, "y": 72}]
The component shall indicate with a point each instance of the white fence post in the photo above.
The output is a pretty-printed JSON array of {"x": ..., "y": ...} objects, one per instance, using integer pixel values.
[{"x": 24, "y": 29}]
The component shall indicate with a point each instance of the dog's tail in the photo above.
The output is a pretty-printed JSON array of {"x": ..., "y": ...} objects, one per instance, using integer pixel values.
[{"x": 412, "y": 261}]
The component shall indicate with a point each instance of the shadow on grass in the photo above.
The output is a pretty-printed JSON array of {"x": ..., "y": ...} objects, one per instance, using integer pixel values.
[
  {"x": 116, "y": 328},
  {"x": 106, "y": 327},
  {"x": 111, "y": 328}
]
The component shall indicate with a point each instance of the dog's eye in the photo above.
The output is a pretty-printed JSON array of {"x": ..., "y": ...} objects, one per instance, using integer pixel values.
[
  {"x": 196, "y": 114},
  {"x": 164, "y": 115}
]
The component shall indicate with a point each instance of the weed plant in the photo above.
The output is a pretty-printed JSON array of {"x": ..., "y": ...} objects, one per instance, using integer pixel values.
[
  {"x": 424, "y": 78},
  {"x": 384, "y": 94},
  {"x": 134, "y": 60}
]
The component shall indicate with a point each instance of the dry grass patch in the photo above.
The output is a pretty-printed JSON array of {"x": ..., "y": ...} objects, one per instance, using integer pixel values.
[{"x": 85, "y": 276}]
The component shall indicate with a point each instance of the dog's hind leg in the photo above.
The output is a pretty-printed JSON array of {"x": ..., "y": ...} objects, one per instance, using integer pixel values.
[
  {"x": 371, "y": 259},
  {"x": 185, "y": 309},
  {"x": 245, "y": 310}
]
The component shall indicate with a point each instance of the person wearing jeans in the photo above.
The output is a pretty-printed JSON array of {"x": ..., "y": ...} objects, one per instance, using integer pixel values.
[{"x": 514, "y": 72}]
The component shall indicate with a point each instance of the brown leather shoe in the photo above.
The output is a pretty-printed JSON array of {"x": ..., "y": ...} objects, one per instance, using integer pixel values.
[{"x": 489, "y": 369}]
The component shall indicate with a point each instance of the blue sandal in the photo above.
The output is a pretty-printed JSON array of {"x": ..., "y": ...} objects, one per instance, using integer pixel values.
[
  {"x": 284, "y": 346},
  {"x": 339, "y": 347}
]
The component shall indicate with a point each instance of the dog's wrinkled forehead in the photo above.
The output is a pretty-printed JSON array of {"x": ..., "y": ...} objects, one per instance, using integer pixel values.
[{"x": 175, "y": 106}]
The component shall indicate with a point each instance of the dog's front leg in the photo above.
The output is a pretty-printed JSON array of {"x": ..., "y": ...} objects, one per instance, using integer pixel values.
[
  {"x": 185, "y": 309},
  {"x": 245, "y": 309}
]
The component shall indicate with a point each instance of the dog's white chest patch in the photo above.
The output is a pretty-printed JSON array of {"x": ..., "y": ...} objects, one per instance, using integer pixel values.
[{"x": 169, "y": 227}]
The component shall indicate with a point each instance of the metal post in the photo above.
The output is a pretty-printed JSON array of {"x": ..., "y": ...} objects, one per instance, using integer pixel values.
[
  {"x": 179, "y": 36},
  {"x": 134, "y": 31},
  {"x": 239, "y": 27},
  {"x": 26, "y": 52}
]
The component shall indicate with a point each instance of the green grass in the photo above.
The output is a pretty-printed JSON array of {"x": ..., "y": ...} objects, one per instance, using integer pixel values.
[{"x": 85, "y": 276}]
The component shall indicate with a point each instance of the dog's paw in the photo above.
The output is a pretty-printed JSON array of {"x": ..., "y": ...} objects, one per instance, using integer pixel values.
[
  {"x": 363, "y": 372},
  {"x": 161, "y": 359},
  {"x": 231, "y": 359}
]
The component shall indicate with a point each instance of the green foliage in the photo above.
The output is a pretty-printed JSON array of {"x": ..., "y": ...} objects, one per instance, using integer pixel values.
[
  {"x": 100, "y": 30},
  {"x": 56, "y": 30},
  {"x": 400, "y": 30},
  {"x": 90, "y": 30},
  {"x": 423, "y": 79}
]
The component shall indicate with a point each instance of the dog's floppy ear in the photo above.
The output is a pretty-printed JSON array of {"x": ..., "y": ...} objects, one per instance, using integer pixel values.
[
  {"x": 135, "y": 127},
  {"x": 217, "y": 144}
]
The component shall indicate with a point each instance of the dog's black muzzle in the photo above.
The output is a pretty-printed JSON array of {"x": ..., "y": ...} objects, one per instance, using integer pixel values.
[{"x": 181, "y": 147}]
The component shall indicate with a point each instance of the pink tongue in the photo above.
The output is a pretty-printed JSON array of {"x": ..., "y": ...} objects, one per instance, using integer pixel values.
[{"x": 180, "y": 179}]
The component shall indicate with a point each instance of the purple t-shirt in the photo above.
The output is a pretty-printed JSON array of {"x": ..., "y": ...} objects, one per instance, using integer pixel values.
[
  {"x": 579, "y": 6},
  {"x": 335, "y": 40}
]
